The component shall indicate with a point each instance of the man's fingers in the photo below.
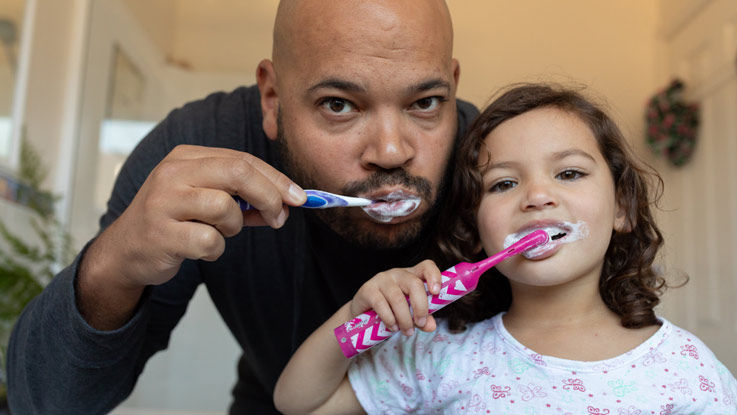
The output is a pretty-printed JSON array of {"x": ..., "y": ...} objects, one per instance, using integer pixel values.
[
  {"x": 194, "y": 240},
  {"x": 292, "y": 194},
  {"x": 210, "y": 206},
  {"x": 234, "y": 176}
]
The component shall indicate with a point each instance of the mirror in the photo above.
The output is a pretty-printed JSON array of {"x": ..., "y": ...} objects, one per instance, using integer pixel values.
[
  {"x": 11, "y": 18},
  {"x": 125, "y": 123}
]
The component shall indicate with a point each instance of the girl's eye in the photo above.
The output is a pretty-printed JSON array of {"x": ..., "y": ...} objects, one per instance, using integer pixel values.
[
  {"x": 427, "y": 104},
  {"x": 570, "y": 174},
  {"x": 502, "y": 186},
  {"x": 337, "y": 105}
]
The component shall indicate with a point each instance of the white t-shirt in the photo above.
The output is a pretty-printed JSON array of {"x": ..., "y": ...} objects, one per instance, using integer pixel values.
[{"x": 484, "y": 370}]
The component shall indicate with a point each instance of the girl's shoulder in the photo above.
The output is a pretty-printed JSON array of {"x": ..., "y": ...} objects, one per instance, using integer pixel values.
[{"x": 683, "y": 346}]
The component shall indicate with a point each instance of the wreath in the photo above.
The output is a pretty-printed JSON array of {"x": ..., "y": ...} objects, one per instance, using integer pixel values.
[{"x": 672, "y": 124}]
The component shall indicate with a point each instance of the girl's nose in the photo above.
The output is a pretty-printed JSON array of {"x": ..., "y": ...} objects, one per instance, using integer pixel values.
[
  {"x": 538, "y": 196},
  {"x": 388, "y": 144}
]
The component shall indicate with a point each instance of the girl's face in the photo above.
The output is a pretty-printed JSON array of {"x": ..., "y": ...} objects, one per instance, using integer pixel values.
[{"x": 545, "y": 171}]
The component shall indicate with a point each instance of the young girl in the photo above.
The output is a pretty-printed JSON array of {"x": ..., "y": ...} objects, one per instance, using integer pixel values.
[{"x": 567, "y": 327}]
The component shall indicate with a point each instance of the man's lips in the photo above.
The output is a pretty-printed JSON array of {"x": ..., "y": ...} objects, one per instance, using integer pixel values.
[{"x": 392, "y": 204}]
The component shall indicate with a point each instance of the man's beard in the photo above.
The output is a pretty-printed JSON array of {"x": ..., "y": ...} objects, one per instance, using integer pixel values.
[{"x": 376, "y": 235}]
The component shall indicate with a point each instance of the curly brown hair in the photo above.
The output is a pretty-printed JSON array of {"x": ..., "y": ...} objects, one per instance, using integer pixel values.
[{"x": 629, "y": 285}]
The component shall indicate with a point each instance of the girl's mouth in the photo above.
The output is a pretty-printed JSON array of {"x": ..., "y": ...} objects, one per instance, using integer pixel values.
[
  {"x": 393, "y": 205},
  {"x": 560, "y": 233}
]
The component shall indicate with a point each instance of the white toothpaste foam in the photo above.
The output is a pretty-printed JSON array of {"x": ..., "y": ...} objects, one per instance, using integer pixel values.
[
  {"x": 573, "y": 231},
  {"x": 396, "y": 204}
]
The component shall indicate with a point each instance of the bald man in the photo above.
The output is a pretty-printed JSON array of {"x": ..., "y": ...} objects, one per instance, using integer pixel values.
[{"x": 358, "y": 99}]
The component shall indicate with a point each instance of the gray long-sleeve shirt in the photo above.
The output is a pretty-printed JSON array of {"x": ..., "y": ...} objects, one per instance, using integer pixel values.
[{"x": 271, "y": 287}]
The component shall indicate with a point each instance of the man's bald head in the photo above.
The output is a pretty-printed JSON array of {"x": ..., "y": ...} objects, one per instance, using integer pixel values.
[
  {"x": 303, "y": 27},
  {"x": 360, "y": 96}
]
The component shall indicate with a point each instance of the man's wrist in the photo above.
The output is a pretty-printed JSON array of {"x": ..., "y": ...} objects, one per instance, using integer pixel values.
[{"x": 103, "y": 298}]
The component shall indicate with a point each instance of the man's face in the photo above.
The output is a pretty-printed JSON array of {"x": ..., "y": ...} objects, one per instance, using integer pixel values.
[{"x": 367, "y": 110}]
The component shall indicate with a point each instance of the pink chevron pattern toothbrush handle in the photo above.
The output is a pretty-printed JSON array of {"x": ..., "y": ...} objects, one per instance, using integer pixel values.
[{"x": 366, "y": 330}]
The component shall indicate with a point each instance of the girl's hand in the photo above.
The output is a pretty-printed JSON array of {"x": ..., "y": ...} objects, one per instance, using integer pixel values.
[{"x": 387, "y": 293}]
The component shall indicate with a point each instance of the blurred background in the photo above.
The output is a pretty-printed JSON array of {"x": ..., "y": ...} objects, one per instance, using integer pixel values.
[{"x": 82, "y": 81}]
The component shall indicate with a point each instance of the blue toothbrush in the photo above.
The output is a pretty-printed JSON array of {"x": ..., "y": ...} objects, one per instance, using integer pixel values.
[{"x": 317, "y": 199}]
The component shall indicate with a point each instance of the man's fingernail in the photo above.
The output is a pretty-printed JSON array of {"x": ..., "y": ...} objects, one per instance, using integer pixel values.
[
  {"x": 421, "y": 321},
  {"x": 410, "y": 331},
  {"x": 436, "y": 287},
  {"x": 296, "y": 193},
  {"x": 281, "y": 219},
  {"x": 393, "y": 328}
]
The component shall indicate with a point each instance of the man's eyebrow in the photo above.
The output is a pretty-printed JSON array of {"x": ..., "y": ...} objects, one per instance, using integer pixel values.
[
  {"x": 428, "y": 85},
  {"x": 336, "y": 83}
]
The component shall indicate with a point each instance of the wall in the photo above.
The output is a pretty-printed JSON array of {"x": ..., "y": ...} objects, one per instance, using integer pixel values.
[
  {"x": 698, "y": 217},
  {"x": 611, "y": 46}
]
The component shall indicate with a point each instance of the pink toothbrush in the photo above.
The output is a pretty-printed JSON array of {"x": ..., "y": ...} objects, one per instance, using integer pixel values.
[{"x": 367, "y": 330}]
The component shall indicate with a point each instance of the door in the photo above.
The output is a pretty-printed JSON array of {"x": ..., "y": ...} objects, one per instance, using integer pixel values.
[{"x": 700, "y": 203}]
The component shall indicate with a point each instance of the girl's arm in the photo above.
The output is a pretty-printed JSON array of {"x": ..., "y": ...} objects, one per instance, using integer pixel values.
[{"x": 315, "y": 379}]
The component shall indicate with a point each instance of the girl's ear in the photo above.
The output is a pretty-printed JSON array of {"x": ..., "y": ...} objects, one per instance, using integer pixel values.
[
  {"x": 478, "y": 248},
  {"x": 622, "y": 224}
]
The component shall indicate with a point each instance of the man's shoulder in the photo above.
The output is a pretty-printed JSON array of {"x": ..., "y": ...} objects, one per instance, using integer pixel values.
[
  {"x": 234, "y": 101},
  {"x": 223, "y": 119},
  {"x": 467, "y": 112}
]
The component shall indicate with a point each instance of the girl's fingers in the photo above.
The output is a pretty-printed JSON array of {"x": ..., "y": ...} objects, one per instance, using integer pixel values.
[
  {"x": 385, "y": 313},
  {"x": 390, "y": 294},
  {"x": 428, "y": 271},
  {"x": 430, "y": 325},
  {"x": 395, "y": 295},
  {"x": 415, "y": 290}
]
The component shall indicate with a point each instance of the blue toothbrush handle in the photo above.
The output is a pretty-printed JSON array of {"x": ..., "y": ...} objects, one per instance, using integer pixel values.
[
  {"x": 316, "y": 199},
  {"x": 312, "y": 202}
]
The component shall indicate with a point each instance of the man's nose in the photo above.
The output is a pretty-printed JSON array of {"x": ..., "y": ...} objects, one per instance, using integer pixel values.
[
  {"x": 538, "y": 195},
  {"x": 388, "y": 145}
]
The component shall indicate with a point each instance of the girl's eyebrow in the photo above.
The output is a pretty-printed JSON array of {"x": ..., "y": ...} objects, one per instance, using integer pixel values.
[{"x": 558, "y": 155}]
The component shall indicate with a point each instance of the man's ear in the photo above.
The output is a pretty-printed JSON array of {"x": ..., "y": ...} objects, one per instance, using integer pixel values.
[
  {"x": 266, "y": 80},
  {"x": 456, "y": 71}
]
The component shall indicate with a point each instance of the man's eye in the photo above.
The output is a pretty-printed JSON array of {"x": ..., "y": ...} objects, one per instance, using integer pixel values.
[
  {"x": 570, "y": 174},
  {"x": 427, "y": 104},
  {"x": 337, "y": 105},
  {"x": 502, "y": 186}
]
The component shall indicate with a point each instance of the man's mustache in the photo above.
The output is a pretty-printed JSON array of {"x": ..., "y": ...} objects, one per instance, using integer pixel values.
[{"x": 392, "y": 177}]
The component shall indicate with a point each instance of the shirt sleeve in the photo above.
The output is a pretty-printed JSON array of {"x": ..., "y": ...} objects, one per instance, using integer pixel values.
[{"x": 57, "y": 363}]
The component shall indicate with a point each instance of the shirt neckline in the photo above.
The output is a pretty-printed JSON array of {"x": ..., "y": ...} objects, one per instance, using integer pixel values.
[{"x": 648, "y": 346}]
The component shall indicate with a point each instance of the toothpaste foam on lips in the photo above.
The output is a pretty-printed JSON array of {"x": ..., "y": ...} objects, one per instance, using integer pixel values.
[
  {"x": 572, "y": 231},
  {"x": 395, "y": 204}
]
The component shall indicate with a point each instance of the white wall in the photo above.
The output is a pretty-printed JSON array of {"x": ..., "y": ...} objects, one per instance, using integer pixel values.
[
  {"x": 608, "y": 45},
  {"x": 193, "y": 374},
  {"x": 612, "y": 46}
]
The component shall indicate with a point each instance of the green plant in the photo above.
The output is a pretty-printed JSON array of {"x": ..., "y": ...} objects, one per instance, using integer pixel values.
[{"x": 28, "y": 262}]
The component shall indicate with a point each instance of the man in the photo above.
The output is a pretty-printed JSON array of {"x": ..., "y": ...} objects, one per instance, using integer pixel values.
[{"x": 358, "y": 99}]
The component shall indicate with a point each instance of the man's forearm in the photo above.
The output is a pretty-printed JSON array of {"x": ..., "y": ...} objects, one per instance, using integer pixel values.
[{"x": 102, "y": 300}]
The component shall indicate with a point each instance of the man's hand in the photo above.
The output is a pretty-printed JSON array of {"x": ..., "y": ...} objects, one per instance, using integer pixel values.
[
  {"x": 184, "y": 210},
  {"x": 387, "y": 293}
]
